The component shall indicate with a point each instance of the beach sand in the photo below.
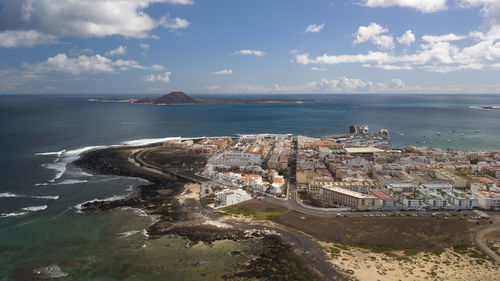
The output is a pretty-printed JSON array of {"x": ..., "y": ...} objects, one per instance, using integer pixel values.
[{"x": 364, "y": 264}]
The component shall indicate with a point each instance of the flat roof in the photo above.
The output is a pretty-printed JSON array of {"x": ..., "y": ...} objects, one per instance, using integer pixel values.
[
  {"x": 382, "y": 195},
  {"x": 349, "y": 192},
  {"x": 363, "y": 150}
]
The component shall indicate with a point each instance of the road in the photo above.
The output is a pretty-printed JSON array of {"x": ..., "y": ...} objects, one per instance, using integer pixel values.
[
  {"x": 141, "y": 159},
  {"x": 482, "y": 235}
]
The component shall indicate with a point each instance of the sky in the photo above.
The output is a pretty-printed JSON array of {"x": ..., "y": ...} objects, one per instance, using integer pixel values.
[{"x": 259, "y": 46}]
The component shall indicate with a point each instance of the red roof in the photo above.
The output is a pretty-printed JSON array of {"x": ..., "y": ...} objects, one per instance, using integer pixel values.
[{"x": 382, "y": 195}]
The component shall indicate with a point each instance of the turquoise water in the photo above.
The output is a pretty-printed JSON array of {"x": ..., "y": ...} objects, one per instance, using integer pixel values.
[{"x": 92, "y": 247}]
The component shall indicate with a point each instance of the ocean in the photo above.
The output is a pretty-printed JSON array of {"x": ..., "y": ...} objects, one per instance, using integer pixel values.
[{"x": 42, "y": 232}]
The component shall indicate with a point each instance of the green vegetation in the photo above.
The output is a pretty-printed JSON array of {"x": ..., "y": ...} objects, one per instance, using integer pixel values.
[
  {"x": 437, "y": 252},
  {"x": 376, "y": 249},
  {"x": 461, "y": 249},
  {"x": 245, "y": 211},
  {"x": 334, "y": 252}
]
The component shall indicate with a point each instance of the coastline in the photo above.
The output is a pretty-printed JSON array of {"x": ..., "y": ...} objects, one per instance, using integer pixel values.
[
  {"x": 195, "y": 223},
  {"x": 285, "y": 249}
]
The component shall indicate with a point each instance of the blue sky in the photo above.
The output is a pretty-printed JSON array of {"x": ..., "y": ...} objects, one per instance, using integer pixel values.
[{"x": 259, "y": 46}]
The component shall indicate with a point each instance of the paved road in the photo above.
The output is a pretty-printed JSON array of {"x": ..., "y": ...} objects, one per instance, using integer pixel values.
[
  {"x": 482, "y": 236},
  {"x": 140, "y": 158}
]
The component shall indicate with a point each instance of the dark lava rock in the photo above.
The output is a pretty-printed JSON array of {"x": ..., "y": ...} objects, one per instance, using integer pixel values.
[
  {"x": 277, "y": 262},
  {"x": 204, "y": 234}
]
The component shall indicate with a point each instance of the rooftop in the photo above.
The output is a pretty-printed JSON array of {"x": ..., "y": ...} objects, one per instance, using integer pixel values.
[
  {"x": 363, "y": 150},
  {"x": 382, "y": 195}
]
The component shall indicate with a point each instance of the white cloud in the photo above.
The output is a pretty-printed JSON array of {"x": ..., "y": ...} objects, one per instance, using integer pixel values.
[
  {"x": 43, "y": 21},
  {"x": 85, "y": 64},
  {"x": 407, "y": 39},
  {"x": 375, "y": 34},
  {"x": 145, "y": 46},
  {"x": 250, "y": 52},
  {"x": 63, "y": 63},
  {"x": 424, "y": 6},
  {"x": 25, "y": 38},
  {"x": 490, "y": 10},
  {"x": 223, "y": 72},
  {"x": 341, "y": 85},
  {"x": 157, "y": 78},
  {"x": 442, "y": 38},
  {"x": 389, "y": 66},
  {"x": 175, "y": 23},
  {"x": 318, "y": 68},
  {"x": 314, "y": 28},
  {"x": 157, "y": 67},
  {"x": 437, "y": 54},
  {"x": 120, "y": 51}
]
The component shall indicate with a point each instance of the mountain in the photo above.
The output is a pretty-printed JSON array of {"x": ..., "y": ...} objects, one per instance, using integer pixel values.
[{"x": 170, "y": 98}]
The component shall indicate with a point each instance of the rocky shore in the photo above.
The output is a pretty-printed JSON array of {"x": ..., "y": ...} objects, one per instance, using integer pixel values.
[{"x": 284, "y": 255}]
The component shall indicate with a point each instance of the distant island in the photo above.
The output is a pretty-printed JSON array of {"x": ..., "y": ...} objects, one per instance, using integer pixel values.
[{"x": 179, "y": 98}]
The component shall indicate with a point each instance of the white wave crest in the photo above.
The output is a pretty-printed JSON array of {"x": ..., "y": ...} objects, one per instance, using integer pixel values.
[
  {"x": 6, "y": 215},
  {"x": 35, "y": 208},
  {"x": 8, "y": 194},
  {"x": 58, "y": 153},
  {"x": 13, "y": 195},
  {"x": 64, "y": 182},
  {"x": 141, "y": 142},
  {"x": 128, "y": 233},
  {"x": 64, "y": 157},
  {"x": 49, "y": 272}
]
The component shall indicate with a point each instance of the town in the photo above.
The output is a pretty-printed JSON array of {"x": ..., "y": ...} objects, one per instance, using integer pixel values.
[{"x": 358, "y": 171}]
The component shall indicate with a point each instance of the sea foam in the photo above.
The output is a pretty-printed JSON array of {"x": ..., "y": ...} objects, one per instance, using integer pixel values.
[
  {"x": 35, "y": 208},
  {"x": 6, "y": 215},
  {"x": 13, "y": 195}
]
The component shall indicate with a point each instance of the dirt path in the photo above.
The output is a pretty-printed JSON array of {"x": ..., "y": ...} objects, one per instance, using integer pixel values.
[{"x": 482, "y": 236}]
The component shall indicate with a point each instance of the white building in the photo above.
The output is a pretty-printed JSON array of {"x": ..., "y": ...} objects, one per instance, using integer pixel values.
[
  {"x": 413, "y": 203},
  {"x": 435, "y": 201},
  {"x": 460, "y": 200},
  {"x": 228, "y": 197},
  {"x": 436, "y": 187},
  {"x": 486, "y": 199}
]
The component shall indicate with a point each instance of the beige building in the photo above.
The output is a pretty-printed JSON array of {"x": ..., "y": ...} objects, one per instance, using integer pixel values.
[
  {"x": 178, "y": 144},
  {"x": 349, "y": 198}
]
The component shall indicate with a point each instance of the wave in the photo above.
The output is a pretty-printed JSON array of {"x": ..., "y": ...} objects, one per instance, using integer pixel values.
[
  {"x": 49, "y": 272},
  {"x": 128, "y": 233},
  {"x": 64, "y": 182},
  {"x": 78, "y": 207},
  {"x": 141, "y": 142},
  {"x": 6, "y": 215},
  {"x": 58, "y": 153},
  {"x": 13, "y": 195},
  {"x": 8, "y": 194},
  {"x": 145, "y": 233},
  {"x": 64, "y": 157},
  {"x": 138, "y": 211},
  {"x": 478, "y": 107},
  {"x": 35, "y": 208}
]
